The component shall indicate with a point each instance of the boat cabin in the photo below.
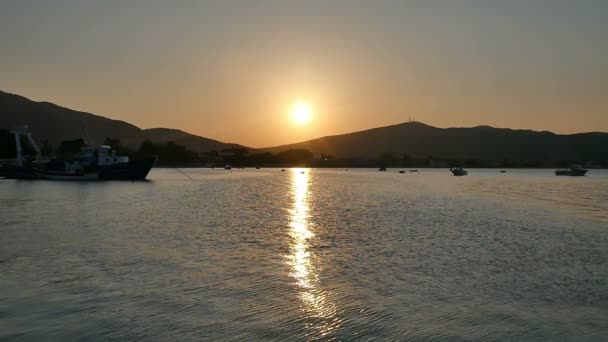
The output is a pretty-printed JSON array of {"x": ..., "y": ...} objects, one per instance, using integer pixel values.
[
  {"x": 92, "y": 156},
  {"x": 107, "y": 156}
]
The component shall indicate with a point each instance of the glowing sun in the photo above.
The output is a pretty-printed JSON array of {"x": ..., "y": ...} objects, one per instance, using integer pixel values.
[{"x": 301, "y": 113}]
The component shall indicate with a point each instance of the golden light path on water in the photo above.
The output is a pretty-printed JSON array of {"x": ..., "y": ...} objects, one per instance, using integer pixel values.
[{"x": 315, "y": 304}]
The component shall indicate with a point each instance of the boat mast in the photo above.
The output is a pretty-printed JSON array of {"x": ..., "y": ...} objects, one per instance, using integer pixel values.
[
  {"x": 18, "y": 133},
  {"x": 18, "y": 145}
]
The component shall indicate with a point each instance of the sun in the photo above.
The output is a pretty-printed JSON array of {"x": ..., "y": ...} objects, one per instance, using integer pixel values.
[{"x": 301, "y": 113}]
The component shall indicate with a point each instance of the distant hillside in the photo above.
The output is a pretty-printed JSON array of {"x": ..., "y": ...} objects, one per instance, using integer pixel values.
[
  {"x": 56, "y": 123},
  {"x": 193, "y": 142},
  {"x": 480, "y": 143},
  {"x": 416, "y": 140}
]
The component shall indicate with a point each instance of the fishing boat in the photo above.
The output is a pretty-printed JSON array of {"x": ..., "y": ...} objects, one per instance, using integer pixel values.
[
  {"x": 458, "y": 171},
  {"x": 80, "y": 160},
  {"x": 573, "y": 170},
  {"x": 401, "y": 171}
]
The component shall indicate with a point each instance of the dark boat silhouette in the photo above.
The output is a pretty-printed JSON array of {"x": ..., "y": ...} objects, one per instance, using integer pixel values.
[
  {"x": 574, "y": 170},
  {"x": 458, "y": 171},
  {"x": 82, "y": 161}
]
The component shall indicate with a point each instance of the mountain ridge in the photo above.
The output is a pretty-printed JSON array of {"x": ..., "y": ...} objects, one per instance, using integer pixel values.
[
  {"x": 56, "y": 123},
  {"x": 484, "y": 143},
  {"x": 408, "y": 139}
]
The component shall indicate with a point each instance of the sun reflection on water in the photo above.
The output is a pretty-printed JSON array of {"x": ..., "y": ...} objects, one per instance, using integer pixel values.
[{"x": 315, "y": 303}]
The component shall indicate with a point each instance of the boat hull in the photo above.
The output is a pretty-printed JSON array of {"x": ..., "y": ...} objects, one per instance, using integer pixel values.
[
  {"x": 136, "y": 170},
  {"x": 16, "y": 172},
  {"x": 575, "y": 173},
  {"x": 459, "y": 172},
  {"x": 67, "y": 177}
]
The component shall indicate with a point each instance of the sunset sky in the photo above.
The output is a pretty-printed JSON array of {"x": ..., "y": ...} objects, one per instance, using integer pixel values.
[{"x": 235, "y": 70}]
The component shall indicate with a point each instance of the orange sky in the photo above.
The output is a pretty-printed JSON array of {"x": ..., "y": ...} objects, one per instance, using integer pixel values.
[{"x": 231, "y": 70}]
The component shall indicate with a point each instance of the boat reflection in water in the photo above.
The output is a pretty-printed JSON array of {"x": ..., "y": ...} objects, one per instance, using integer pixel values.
[{"x": 320, "y": 311}]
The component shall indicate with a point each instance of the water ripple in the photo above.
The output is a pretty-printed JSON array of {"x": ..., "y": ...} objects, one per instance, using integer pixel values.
[{"x": 322, "y": 255}]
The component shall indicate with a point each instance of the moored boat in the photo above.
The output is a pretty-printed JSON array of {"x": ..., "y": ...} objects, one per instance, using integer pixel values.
[
  {"x": 574, "y": 170},
  {"x": 458, "y": 171},
  {"x": 94, "y": 162},
  {"x": 79, "y": 161}
]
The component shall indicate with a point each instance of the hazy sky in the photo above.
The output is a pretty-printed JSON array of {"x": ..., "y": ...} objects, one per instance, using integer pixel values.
[{"x": 230, "y": 70}]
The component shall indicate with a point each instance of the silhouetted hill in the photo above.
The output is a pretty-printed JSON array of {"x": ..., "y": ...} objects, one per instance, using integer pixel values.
[
  {"x": 493, "y": 145},
  {"x": 413, "y": 139},
  {"x": 193, "y": 142},
  {"x": 56, "y": 123}
]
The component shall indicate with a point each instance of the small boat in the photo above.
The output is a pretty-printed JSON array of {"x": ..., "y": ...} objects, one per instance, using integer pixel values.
[
  {"x": 257, "y": 167},
  {"x": 458, "y": 171},
  {"x": 401, "y": 171},
  {"x": 503, "y": 171},
  {"x": 283, "y": 170},
  {"x": 413, "y": 170},
  {"x": 574, "y": 170},
  {"x": 227, "y": 167},
  {"x": 382, "y": 168}
]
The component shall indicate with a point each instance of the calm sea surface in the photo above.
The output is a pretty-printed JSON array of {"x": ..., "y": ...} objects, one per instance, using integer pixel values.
[{"x": 305, "y": 254}]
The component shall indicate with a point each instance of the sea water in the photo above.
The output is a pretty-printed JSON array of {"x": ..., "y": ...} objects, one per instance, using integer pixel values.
[{"x": 306, "y": 254}]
